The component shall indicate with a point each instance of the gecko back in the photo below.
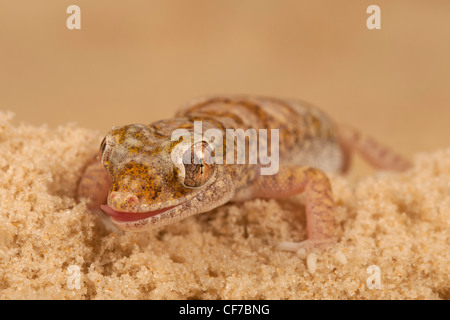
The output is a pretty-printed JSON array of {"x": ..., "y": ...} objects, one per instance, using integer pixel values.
[{"x": 307, "y": 136}]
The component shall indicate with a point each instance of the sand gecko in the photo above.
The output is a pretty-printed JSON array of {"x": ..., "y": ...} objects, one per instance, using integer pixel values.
[{"x": 139, "y": 184}]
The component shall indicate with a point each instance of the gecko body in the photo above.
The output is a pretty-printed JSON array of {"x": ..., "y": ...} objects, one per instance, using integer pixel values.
[{"x": 145, "y": 178}]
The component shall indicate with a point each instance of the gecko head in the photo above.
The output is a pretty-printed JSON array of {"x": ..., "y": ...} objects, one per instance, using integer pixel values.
[{"x": 157, "y": 181}]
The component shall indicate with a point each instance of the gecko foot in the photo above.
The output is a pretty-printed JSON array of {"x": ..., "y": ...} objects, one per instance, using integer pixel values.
[{"x": 304, "y": 248}]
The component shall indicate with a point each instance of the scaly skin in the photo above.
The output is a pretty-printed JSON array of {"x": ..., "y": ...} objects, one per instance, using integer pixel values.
[{"x": 147, "y": 189}]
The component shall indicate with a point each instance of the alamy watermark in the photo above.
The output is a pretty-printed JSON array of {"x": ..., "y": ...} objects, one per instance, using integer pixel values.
[
  {"x": 374, "y": 280},
  {"x": 258, "y": 145},
  {"x": 374, "y": 20},
  {"x": 74, "y": 20},
  {"x": 74, "y": 278}
]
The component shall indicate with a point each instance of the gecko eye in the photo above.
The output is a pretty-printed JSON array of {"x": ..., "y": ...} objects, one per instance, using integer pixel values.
[{"x": 198, "y": 165}]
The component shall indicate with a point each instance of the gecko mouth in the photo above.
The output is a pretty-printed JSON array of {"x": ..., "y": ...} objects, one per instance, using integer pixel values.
[{"x": 123, "y": 216}]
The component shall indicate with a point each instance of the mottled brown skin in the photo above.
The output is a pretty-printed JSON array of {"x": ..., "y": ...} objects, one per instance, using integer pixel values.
[{"x": 150, "y": 190}]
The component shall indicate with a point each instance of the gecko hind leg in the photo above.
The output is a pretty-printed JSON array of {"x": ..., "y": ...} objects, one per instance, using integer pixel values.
[
  {"x": 370, "y": 150},
  {"x": 320, "y": 221}
]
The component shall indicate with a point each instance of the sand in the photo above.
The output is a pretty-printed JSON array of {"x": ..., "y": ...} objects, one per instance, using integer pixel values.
[{"x": 394, "y": 235}]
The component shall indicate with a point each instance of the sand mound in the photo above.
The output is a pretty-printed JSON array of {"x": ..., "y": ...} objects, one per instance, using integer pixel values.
[{"x": 394, "y": 224}]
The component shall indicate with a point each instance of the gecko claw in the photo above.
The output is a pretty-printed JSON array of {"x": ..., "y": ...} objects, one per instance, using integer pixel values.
[{"x": 303, "y": 248}]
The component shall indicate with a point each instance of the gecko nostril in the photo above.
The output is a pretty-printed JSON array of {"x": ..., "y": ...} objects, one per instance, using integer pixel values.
[
  {"x": 124, "y": 201},
  {"x": 132, "y": 200}
]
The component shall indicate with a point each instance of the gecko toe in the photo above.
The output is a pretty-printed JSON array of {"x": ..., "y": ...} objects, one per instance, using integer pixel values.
[{"x": 304, "y": 248}]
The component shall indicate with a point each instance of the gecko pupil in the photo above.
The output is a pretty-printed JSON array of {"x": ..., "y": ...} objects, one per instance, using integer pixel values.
[{"x": 201, "y": 167}]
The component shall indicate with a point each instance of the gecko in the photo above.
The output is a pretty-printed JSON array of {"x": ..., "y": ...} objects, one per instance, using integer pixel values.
[{"x": 143, "y": 178}]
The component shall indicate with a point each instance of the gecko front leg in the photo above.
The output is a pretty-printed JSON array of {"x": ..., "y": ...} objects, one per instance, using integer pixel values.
[
  {"x": 320, "y": 221},
  {"x": 94, "y": 185}
]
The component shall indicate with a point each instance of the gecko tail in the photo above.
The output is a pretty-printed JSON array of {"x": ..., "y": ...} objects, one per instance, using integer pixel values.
[{"x": 376, "y": 154}]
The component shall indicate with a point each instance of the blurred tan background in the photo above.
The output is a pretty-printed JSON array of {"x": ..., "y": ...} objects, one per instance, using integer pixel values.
[{"x": 139, "y": 61}]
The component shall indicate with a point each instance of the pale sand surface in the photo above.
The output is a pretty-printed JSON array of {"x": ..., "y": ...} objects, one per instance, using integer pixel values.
[{"x": 397, "y": 222}]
